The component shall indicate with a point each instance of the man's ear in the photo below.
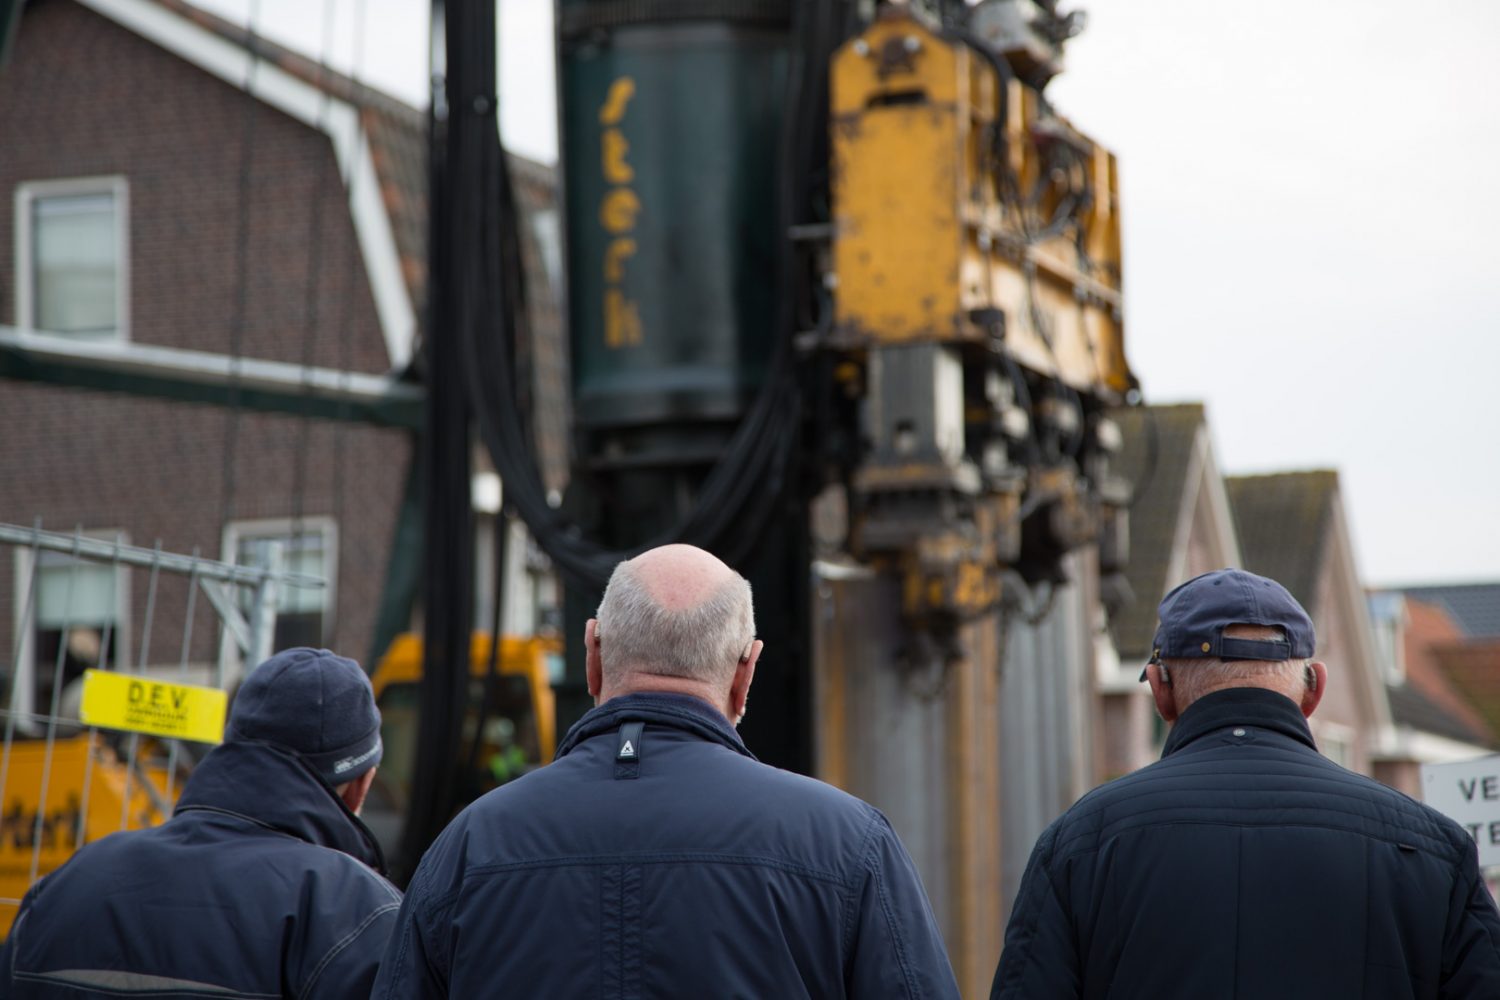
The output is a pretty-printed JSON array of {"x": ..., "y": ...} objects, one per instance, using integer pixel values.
[
  {"x": 1161, "y": 693},
  {"x": 744, "y": 675},
  {"x": 1317, "y": 685},
  {"x": 593, "y": 666},
  {"x": 353, "y": 792}
]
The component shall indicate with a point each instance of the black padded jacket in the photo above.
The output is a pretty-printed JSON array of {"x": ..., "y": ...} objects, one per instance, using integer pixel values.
[
  {"x": 655, "y": 858},
  {"x": 262, "y": 885},
  {"x": 1244, "y": 864}
]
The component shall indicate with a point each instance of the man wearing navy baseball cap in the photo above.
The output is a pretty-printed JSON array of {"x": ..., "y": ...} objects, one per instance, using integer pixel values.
[
  {"x": 1244, "y": 863},
  {"x": 264, "y": 883}
]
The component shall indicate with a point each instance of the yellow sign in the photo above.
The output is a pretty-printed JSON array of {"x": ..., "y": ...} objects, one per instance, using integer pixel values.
[{"x": 141, "y": 705}]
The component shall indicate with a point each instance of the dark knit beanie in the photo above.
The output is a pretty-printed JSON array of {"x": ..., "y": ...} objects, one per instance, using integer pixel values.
[{"x": 316, "y": 704}]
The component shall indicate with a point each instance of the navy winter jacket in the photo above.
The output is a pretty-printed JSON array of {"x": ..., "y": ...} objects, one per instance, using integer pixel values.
[
  {"x": 677, "y": 867},
  {"x": 260, "y": 886},
  {"x": 1246, "y": 865}
]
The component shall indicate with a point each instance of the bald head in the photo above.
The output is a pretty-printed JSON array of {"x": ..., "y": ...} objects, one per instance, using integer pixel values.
[
  {"x": 675, "y": 611},
  {"x": 680, "y": 577}
]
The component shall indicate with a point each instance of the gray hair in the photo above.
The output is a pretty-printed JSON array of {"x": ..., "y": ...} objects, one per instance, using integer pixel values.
[
  {"x": 1192, "y": 679},
  {"x": 703, "y": 642}
]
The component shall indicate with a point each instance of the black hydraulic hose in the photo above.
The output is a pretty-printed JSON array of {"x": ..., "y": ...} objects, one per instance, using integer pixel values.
[
  {"x": 491, "y": 688},
  {"x": 999, "y": 143},
  {"x": 447, "y": 518},
  {"x": 746, "y": 484}
]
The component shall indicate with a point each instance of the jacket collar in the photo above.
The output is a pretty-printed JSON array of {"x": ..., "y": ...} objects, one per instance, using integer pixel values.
[
  {"x": 1239, "y": 706},
  {"x": 676, "y": 711},
  {"x": 273, "y": 788}
]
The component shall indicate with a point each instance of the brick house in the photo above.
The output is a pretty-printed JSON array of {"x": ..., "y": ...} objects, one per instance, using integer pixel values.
[
  {"x": 212, "y": 273},
  {"x": 1451, "y": 641},
  {"x": 1466, "y": 652},
  {"x": 1433, "y": 719}
]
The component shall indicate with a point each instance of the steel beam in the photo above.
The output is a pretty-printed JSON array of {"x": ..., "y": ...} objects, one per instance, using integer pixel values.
[{"x": 204, "y": 377}]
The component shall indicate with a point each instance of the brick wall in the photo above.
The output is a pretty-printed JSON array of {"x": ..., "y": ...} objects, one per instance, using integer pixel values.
[{"x": 84, "y": 97}]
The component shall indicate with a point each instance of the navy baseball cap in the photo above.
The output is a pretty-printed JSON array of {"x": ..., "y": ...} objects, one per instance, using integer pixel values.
[
  {"x": 316, "y": 704},
  {"x": 1193, "y": 617}
]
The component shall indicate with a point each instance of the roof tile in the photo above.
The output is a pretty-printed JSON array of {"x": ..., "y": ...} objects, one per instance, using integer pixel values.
[
  {"x": 1474, "y": 607},
  {"x": 1282, "y": 522},
  {"x": 1473, "y": 667}
]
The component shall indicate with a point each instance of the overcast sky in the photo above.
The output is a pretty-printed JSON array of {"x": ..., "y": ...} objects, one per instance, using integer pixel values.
[{"x": 1310, "y": 223}]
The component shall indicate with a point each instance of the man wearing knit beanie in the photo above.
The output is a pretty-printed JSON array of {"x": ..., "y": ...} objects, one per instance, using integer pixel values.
[{"x": 263, "y": 883}]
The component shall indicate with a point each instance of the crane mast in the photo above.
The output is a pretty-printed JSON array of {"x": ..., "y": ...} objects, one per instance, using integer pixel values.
[{"x": 844, "y": 306}]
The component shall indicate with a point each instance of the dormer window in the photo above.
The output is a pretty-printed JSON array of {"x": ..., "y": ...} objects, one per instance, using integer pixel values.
[
  {"x": 1388, "y": 621},
  {"x": 72, "y": 258}
]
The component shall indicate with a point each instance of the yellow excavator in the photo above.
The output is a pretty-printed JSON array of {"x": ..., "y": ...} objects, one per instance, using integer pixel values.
[
  {"x": 508, "y": 728},
  {"x": 56, "y": 797}
]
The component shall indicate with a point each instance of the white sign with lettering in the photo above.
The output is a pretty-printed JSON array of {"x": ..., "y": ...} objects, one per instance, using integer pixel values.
[{"x": 1469, "y": 793}]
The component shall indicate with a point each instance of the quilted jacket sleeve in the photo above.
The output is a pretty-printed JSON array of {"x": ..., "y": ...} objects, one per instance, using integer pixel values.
[
  {"x": 1471, "y": 944},
  {"x": 897, "y": 949},
  {"x": 1040, "y": 958}
]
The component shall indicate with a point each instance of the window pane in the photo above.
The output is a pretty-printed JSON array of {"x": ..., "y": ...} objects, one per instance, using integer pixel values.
[
  {"x": 74, "y": 593},
  {"x": 82, "y": 649},
  {"x": 547, "y": 229},
  {"x": 303, "y": 553},
  {"x": 74, "y": 250}
]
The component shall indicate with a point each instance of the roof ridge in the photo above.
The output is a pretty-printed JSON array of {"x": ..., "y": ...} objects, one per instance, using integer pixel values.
[
  {"x": 304, "y": 67},
  {"x": 1468, "y": 585},
  {"x": 1319, "y": 473}
]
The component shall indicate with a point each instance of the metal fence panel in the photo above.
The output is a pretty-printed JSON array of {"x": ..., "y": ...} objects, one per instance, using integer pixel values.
[{"x": 72, "y": 607}]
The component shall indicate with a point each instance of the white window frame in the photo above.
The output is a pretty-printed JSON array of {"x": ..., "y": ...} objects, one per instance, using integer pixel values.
[
  {"x": 27, "y": 193},
  {"x": 546, "y": 231},
  {"x": 24, "y": 615},
  {"x": 1390, "y": 642},
  {"x": 286, "y": 527}
]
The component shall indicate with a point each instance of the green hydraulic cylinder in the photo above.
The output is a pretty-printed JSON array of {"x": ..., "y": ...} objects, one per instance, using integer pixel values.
[
  {"x": 671, "y": 125},
  {"x": 670, "y": 128}
]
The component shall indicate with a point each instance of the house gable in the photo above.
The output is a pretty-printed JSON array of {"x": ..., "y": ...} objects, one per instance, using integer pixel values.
[
  {"x": 167, "y": 26},
  {"x": 241, "y": 252},
  {"x": 1293, "y": 530},
  {"x": 1180, "y": 523},
  {"x": 1346, "y": 640},
  {"x": 1180, "y": 526}
]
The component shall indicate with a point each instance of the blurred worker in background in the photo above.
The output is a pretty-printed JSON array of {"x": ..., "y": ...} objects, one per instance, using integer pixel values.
[
  {"x": 507, "y": 760},
  {"x": 262, "y": 884},
  {"x": 656, "y": 857},
  {"x": 1244, "y": 863}
]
